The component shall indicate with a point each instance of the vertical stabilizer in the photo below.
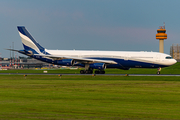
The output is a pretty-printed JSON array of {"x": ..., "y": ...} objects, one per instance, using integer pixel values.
[{"x": 29, "y": 42}]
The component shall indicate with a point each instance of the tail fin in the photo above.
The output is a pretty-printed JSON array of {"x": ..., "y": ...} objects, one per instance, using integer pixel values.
[{"x": 29, "y": 42}]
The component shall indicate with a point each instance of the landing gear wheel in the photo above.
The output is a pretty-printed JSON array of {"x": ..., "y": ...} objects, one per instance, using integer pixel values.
[
  {"x": 89, "y": 71},
  {"x": 158, "y": 73},
  {"x": 102, "y": 72},
  {"x": 86, "y": 71},
  {"x": 99, "y": 72},
  {"x": 82, "y": 71},
  {"x": 159, "y": 69}
]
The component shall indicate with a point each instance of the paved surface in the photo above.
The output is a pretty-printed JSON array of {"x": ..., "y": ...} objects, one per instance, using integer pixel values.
[{"x": 91, "y": 74}]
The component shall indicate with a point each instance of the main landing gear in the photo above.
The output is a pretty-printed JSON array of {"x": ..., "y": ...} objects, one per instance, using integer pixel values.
[
  {"x": 86, "y": 71},
  {"x": 99, "y": 72},
  {"x": 91, "y": 72}
]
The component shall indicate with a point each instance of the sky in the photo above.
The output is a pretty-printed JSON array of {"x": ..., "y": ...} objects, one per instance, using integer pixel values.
[{"x": 115, "y": 25}]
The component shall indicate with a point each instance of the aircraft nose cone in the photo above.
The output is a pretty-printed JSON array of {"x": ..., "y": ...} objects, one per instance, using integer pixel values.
[
  {"x": 174, "y": 61},
  {"x": 171, "y": 62}
]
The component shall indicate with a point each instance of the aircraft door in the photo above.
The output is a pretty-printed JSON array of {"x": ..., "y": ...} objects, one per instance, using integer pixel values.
[
  {"x": 126, "y": 57},
  {"x": 158, "y": 57}
]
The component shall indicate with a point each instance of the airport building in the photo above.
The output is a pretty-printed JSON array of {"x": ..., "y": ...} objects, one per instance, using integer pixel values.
[
  {"x": 28, "y": 63},
  {"x": 175, "y": 52},
  {"x": 21, "y": 63}
]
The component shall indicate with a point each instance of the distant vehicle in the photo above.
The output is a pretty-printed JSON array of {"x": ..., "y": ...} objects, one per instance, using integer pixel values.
[{"x": 91, "y": 60}]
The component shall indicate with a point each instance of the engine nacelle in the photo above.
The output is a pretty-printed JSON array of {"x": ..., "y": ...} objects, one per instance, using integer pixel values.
[
  {"x": 66, "y": 62},
  {"x": 98, "y": 66}
]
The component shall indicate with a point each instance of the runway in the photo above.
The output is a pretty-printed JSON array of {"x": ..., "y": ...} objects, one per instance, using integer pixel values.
[{"x": 90, "y": 74}]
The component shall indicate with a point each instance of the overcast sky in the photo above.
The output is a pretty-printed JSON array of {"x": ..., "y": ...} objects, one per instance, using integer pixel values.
[{"x": 122, "y": 25}]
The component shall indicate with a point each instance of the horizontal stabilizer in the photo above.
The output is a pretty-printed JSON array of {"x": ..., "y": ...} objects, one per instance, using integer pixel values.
[{"x": 20, "y": 51}]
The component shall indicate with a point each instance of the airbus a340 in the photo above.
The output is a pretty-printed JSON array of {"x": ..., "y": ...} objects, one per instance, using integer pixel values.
[{"x": 91, "y": 60}]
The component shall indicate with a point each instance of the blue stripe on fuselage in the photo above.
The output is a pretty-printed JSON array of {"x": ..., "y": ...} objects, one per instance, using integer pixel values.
[
  {"x": 122, "y": 64},
  {"x": 131, "y": 63}
]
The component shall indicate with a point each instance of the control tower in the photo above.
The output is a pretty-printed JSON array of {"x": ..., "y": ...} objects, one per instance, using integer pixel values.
[{"x": 161, "y": 35}]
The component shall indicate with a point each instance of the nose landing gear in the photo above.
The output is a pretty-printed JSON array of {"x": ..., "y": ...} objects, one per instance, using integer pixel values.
[{"x": 158, "y": 72}]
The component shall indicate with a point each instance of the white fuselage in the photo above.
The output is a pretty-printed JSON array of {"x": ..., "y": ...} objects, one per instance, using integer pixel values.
[{"x": 145, "y": 57}]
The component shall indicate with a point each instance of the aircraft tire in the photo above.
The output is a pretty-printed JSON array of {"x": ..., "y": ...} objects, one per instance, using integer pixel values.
[
  {"x": 97, "y": 72},
  {"x": 102, "y": 72},
  {"x": 91, "y": 72},
  {"x": 87, "y": 72},
  {"x": 82, "y": 71},
  {"x": 158, "y": 72}
]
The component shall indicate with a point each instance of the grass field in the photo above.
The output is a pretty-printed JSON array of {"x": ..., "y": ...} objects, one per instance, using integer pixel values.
[{"x": 88, "y": 97}]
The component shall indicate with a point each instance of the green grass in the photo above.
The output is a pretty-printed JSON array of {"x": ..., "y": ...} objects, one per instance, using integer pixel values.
[
  {"x": 174, "y": 69},
  {"x": 87, "y": 97}
]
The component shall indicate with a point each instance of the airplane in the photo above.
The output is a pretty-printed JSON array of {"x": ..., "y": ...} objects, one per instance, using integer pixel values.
[{"x": 90, "y": 60}]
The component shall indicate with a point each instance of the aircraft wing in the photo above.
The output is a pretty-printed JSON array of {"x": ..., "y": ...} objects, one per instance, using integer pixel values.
[{"x": 80, "y": 60}]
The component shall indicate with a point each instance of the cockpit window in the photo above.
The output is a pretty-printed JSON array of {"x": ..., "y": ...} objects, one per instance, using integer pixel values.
[{"x": 169, "y": 57}]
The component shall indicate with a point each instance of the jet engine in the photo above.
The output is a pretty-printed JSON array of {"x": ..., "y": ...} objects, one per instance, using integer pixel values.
[
  {"x": 99, "y": 66},
  {"x": 66, "y": 62}
]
